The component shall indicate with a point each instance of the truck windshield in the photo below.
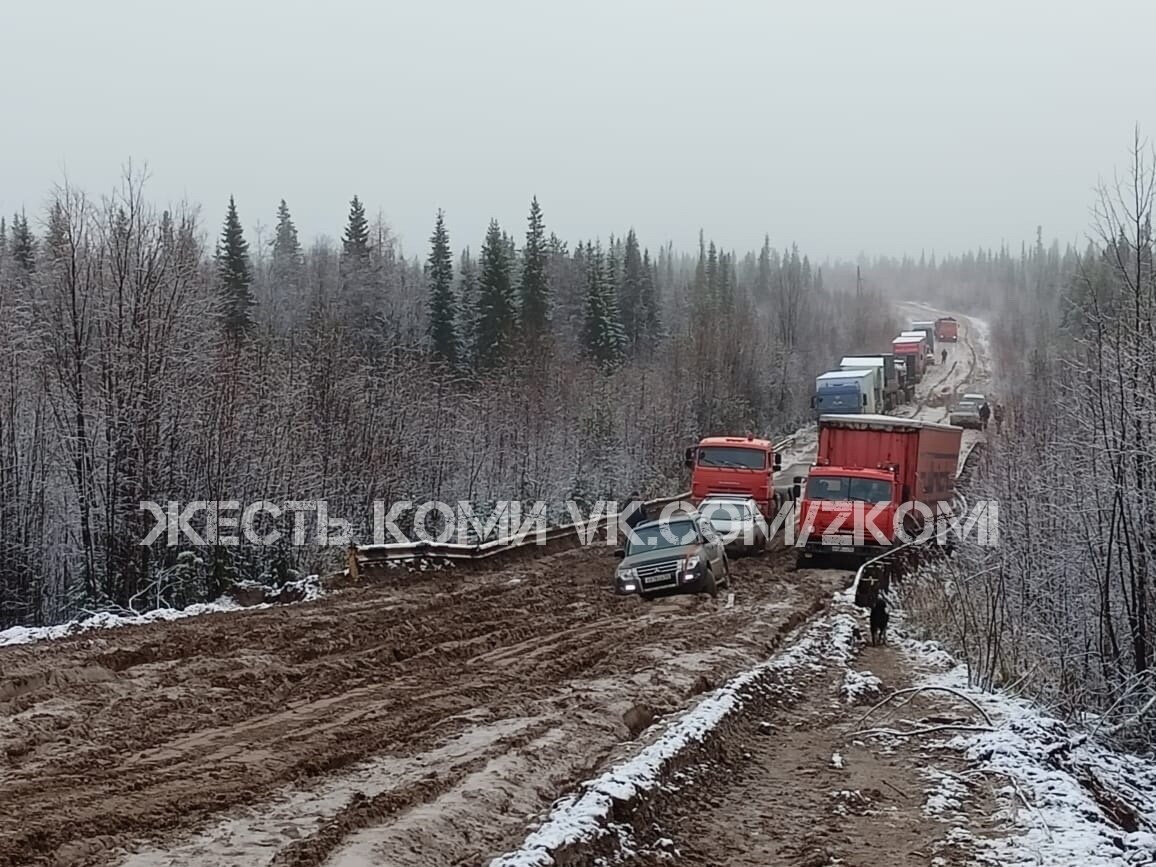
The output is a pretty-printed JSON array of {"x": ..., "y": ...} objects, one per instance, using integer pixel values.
[
  {"x": 845, "y": 488},
  {"x": 732, "y": 456},
  {"x": 669, "y": 534}
]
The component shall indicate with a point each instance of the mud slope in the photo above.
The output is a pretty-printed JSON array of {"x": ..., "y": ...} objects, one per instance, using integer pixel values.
[{"x": 381, "y": 725}]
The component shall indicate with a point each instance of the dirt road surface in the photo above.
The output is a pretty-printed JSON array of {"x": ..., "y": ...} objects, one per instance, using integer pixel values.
[
  {"x": 407, "y": 725},
  {"x": 794, "y": 786}
]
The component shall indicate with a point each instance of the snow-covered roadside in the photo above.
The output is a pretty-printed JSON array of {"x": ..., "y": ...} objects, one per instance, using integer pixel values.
[
  {"x": 587, "y": 814},
  {"x": 309, "y": 589},
  {"x": 1065, "y": 800}
]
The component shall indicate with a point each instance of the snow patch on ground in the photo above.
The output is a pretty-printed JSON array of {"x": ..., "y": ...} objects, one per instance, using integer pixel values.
[
  {"x": 1055, "y": 786},
  {"x": 858, "y": 685},
  {"x": 310, "y": 587},
  {"x": 583, "y": 815}
]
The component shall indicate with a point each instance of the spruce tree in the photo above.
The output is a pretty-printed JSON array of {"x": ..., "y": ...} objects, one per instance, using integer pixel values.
[
  {"x": 467, "y": 301},
  {"x": 236, "y": 276},
  {"x": 286, "y": 272},
  {"x": 700, "y": 285},
  {"x": 534, "y": 286},
  {"x": 497, "y": 312},
  {"x": 724, "y": 290},
  {"x": 763, "y": 279},
  {"x": 23, "y": 244},
  {"x": 712, "y": 287},
  {"x": 286, "y": 244},
  {"x": 355, "y": 242},
  {"x": 439, "y": 273},
  {"x": 603, "y": 336},
  {"x": 650, "y": 325},
  {"x": 56, "y": 238},
  {"x": 633, "y": 314}
]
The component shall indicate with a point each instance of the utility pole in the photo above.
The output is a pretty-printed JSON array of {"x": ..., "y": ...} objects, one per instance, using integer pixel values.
[{"x": 860, "y": 313}]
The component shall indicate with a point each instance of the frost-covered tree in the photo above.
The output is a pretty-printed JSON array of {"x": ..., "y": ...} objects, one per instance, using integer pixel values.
[
  {"x": 355, "y": 241},
  {"x": 633, "y": 276},
  {"x": 23, "y": 244},
  {"x": 439, "y": 271},
  {"x": 497, "y": 314},
  {"x": 604, "y": 338},
  {"x": 534, "y": 286},
  {"x": 647, "y": 320},
  {"x": 236, "y": 276}
]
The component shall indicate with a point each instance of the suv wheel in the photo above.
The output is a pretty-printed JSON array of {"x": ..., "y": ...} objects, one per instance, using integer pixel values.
[{"x": 711, "y": 587}]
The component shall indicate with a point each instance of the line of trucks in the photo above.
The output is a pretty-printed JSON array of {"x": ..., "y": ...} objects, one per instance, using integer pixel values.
[
  {"x": 878, "y": 383},
  {"x": 867, "y": 461}
]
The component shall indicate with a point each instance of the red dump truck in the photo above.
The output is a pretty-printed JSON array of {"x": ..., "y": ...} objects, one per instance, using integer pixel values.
[
  {"x": 946, "y": 329},
  {"x": 869, "y": 476},
  {"x": 735, "y": 466}
]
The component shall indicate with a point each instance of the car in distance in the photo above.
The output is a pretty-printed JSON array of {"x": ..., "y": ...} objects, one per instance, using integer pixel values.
[
  {"x": 678, "y": 554},
  {"x": 966, "y": 412},
  {"x": 738, "y": 521}
]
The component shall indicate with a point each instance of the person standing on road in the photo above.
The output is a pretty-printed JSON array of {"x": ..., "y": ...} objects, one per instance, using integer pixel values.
[
  {"x": 997, "y": 414},
  {"x": 943, "y": 355},
  {"x": 636, "y": 513},
  {"x": 984, "y": 415}
]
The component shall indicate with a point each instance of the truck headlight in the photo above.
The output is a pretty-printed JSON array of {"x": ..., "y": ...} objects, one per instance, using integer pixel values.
[
  {"x": 630, "y": 575},
  {"x": 690, "y": 563}
]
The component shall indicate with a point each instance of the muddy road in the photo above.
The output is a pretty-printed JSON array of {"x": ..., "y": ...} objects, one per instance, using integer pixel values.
[{"x": 411, "y": 724}]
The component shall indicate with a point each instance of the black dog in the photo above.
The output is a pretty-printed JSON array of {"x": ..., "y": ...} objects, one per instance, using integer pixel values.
[{"x": 879, "y": 622}]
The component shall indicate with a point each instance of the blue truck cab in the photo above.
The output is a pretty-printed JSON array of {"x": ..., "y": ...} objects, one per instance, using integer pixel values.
[{"x": 844, "y": 391}]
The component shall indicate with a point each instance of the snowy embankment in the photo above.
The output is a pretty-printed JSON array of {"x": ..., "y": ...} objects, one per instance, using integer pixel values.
[
  {"x": 587, "y": 815},
  {"x": 1065, "y": 800},
  {"x": 303, "y": 590}
]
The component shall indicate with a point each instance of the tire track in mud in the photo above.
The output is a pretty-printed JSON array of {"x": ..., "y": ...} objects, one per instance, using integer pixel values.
[
  {"x": 168, "y": 727},
  {"x": 621, "y": 807}
]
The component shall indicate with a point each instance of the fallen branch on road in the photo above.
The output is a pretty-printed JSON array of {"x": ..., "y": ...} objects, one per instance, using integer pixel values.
[
  {"x": 929, "y": 730},
  {"x": 914, "y": 691}
]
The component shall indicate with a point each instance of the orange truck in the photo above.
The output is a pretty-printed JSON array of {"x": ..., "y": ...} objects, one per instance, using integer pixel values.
[
  {"x": 947, "y": 329},
  {"x": 867, "y": 468},
  {"x": 735, "y": 466}
]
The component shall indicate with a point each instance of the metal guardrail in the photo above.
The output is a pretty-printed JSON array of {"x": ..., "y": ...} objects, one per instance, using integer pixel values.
[{"x": 363, "y": 558}]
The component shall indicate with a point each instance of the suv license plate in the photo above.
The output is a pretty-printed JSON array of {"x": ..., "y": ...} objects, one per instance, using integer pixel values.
[
  {"x": 655, "y": 579},
  {"x": 843, "y": 549}
]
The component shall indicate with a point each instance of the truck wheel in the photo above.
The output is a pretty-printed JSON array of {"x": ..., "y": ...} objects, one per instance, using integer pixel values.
[
  {"x": 727, "y": 573},
  {"x": 711, "y": 587}
]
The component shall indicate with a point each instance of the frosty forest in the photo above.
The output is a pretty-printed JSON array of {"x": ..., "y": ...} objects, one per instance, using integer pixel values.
[{"x": 150, "y": 356}]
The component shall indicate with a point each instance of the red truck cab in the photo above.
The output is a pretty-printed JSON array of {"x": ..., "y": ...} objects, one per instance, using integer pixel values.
[
  {"x": 947, "y": 329},
  {"x": 732, "y": 466},
  {"x": 866, "y": 469}
]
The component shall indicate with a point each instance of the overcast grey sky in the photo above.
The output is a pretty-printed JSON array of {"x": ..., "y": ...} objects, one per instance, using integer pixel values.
[{"x": 847, "y": 126}]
